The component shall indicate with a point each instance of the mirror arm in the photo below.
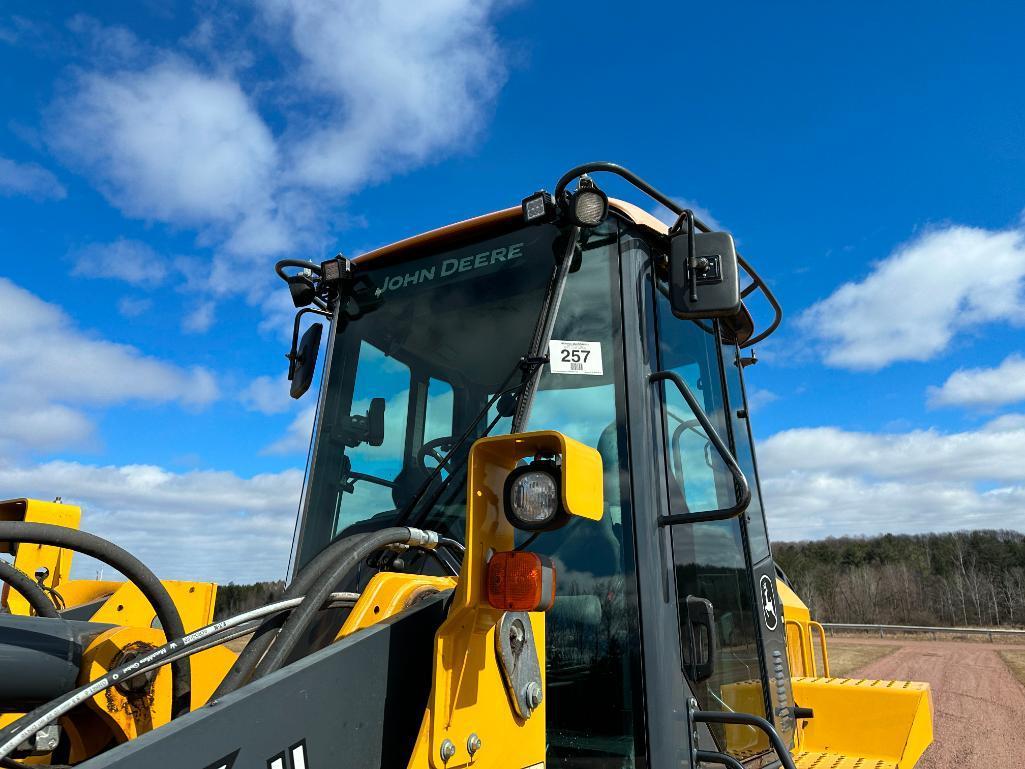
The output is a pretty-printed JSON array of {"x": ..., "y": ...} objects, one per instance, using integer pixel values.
[{"x": 743, "y": 487}]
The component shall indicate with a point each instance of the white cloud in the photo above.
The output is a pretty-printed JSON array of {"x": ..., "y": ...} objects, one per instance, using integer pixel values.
[
  {"x": 826, "y": 481},
  {"x": 296, "y": 439},
  {"x": 48, "y": 366},
  {"x": 267, "y": 394},
  {"x": 758, "y": 398},
  {"x": 30, "y": 180},
  {"x": 913, "y": 303},
  {"x": 132, "y": 261},
  {"x": 200, "y": 525},
  {"x": 133, "y": 306},
  {"x": 983, "y": 387},
  {"x": 200, "y": 318},
  {"x": 400, "y": 82},
  {"x": 175, "y": 144}
]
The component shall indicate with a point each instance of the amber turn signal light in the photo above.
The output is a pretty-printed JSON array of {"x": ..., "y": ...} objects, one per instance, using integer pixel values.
[{"x": 521, "y": 581}]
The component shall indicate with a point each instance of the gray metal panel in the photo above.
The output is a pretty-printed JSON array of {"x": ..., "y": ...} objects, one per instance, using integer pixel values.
[
  {"x": 40, "y": 657},
  {"x": 357, "y": 703},
  {"x": 666, "y": 690}
]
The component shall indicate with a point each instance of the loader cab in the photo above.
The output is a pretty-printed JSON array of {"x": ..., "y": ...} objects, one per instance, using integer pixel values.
[{"x": 659, "y": 607}]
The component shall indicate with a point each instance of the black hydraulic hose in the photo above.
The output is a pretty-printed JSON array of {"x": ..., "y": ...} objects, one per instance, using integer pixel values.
[
  {"x": 35, "y": 595},
  {"x": 133, "y": 569},
  {"x": 242, "y": 670},
  {"x": 299, "y": 621}
]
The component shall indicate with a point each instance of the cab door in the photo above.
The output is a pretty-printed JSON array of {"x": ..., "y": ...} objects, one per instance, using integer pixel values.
[{"x": 729, "y": 618}]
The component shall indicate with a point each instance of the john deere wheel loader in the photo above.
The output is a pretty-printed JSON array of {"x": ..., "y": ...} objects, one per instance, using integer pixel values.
[{"x": 531, "y": 535}]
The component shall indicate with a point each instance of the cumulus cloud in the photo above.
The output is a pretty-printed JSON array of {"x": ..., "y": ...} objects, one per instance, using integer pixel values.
[
  {"x": 132, "y": 261},
  {"x": 913, "y": 303},
  {"x": 983, "y": 388},
  {"x": 267, "y": 394},
  {"x": 402, "y": 82},
  {"x": 176, "y": 144},
  {"x": 200, "y": 525},
  {"x": 365, "y": 91},
  {"x": 826, "y": 481},
  {"x": 48, "y": 367},
  {"x": 30, "y": 180},
  {"x": 296, "y": 439}
]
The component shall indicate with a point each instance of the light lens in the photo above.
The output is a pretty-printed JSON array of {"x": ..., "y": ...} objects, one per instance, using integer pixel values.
[
  {"x": 534, "y": 208},
  {"x": 520, "y": 581},
  {"x": 589, "y": 207},
  {"x": 534, "y": 497}
]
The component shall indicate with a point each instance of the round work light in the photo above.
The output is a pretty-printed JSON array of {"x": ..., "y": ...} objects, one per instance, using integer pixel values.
[
  {"x": 588, "y": 205},
  {"x": 533, "y": 496}
]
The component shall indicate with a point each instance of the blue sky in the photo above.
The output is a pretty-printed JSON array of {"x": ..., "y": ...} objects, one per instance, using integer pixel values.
[{"x": 156, "y": 159}]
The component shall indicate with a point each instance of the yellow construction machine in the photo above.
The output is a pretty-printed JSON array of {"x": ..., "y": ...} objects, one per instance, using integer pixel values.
[{"x": 531, "y": 535}]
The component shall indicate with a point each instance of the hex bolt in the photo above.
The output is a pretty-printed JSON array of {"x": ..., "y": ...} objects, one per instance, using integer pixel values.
[
  {"x": 448, "y": 749},
  {"x": 533, "y": 695},
  {"x": 473, "y": 744}
]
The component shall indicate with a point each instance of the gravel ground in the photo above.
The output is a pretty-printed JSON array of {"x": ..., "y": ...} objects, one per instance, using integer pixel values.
[{"x": 978, "y": 705}]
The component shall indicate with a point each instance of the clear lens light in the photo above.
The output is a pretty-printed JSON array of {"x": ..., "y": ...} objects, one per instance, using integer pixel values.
[
  {"x": 535, "y": 207},
  {"x": 534, "y": 497},
  {"x": 589, "y": 208}
]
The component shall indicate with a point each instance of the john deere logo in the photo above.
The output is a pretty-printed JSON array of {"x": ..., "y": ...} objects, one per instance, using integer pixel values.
[{"x": 768, "y": 601}]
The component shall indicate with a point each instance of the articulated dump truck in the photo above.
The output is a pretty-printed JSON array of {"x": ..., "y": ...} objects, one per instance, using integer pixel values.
[{"x": 531, "y": 535}]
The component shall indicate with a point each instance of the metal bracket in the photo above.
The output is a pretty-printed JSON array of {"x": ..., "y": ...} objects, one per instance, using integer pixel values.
[{"x": 517, "y": 656}]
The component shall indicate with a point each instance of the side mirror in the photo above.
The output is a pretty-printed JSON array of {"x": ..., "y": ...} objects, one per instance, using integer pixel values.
[
  {"x": 302, "y": 360},
  {"x": 364, "y": 428},
  {"x": 703, "y": 278},
  {"x": 375, "y": 422}
]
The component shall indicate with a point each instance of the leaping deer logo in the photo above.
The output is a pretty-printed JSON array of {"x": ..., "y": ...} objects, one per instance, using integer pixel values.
[{"x": 768, "y": 603}]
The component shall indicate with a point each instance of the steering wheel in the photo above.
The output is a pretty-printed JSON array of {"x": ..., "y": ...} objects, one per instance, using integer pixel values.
[{"x": 436, "y": 449}]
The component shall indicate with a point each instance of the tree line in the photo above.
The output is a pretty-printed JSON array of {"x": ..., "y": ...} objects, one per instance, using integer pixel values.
[
  {"x": 233, "y": 599},
  {"x": 961, "y": 578}
]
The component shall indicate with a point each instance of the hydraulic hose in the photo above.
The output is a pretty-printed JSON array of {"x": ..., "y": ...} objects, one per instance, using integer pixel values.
[
  {"x": 179, "y": 648},
  {"x": 133, "y": 569},
  {"x": 22, "y": 583},
  {"x": 300, "y": 619},
  {"x": 242, "y": 670}
]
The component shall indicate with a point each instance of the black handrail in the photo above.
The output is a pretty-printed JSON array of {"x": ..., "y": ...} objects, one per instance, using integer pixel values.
[
  {"x": 715, "y": 757},
  {"x": 743, "y": 487},
  {"x": 676, "y": 208},
  {"x": 746, "y": 719}
]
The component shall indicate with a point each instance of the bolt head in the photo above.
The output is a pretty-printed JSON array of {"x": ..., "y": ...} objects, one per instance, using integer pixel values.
[
  {"x": 533, "y": 695},
  {"x": 473, "y": 743},
  {"x": 448, "y": 749}
]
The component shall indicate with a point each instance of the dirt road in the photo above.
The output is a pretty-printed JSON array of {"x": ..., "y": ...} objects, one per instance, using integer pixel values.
[{"x": 979, "y": 706}]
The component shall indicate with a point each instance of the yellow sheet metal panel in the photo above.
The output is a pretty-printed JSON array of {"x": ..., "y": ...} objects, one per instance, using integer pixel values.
[
  {"x": 30, "y": 557},
  {"x": 128, "y": 606},
  {"x": 387, "y": 594},
  {"x": 865, "y": 718},
  {"x": 817, "y": 760}
]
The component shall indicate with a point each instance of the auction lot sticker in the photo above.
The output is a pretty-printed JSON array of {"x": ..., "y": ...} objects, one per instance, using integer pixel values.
[{"x": 570, "y": 357}]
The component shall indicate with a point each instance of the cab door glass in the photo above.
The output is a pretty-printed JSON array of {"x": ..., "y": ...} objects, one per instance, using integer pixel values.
[
  {"x": 709, "y": 558},
  {"x": 740, "y": 425}
]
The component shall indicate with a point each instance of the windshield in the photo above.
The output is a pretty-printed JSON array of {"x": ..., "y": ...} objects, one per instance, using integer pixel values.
[{"x": 431, "y": 339}]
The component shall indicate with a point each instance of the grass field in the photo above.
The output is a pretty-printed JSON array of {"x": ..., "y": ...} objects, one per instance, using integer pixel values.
[
  {"x": 1016, "y": 662},
  {"x": 847, "y": 656}
]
